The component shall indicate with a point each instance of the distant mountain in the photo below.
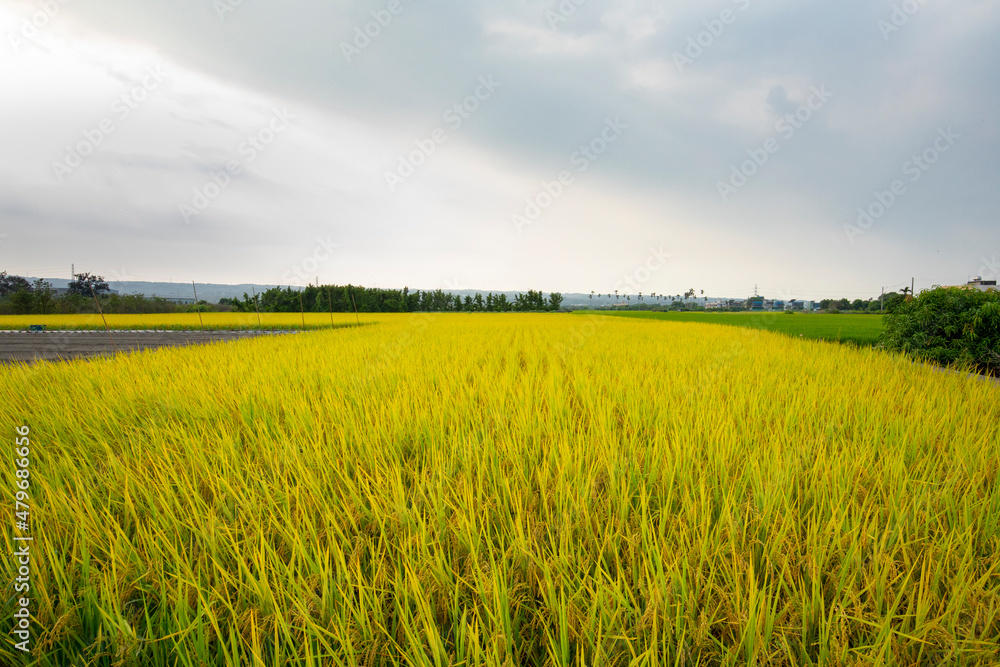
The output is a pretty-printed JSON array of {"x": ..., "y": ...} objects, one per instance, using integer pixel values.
[{"x": 206, "y": 291}]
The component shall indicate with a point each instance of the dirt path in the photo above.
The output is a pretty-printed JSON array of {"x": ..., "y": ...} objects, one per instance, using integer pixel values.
[{"x": 53, "y": 345}]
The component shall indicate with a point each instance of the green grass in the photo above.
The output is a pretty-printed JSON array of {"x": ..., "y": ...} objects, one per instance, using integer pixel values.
[{"x": 861, "y": 330}]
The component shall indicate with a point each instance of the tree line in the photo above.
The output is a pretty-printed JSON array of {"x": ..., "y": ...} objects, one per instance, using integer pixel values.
[
  {"x": 347, "y": 298},
  {"x": 888, "y": 303},
  {"x": 18, "y": 296}
]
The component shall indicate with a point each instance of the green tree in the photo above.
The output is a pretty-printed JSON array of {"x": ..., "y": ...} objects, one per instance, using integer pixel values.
[
  {"x": 235, "y": 304},
  {"x": 83, "y": 283},
  {"x": 21, "y": 302},
  {"x": 948, "y": 325},
  {"x": 892, "y": 301},
  {"x": 42, "y": 297},
  {"x": 11, "y": 284}
]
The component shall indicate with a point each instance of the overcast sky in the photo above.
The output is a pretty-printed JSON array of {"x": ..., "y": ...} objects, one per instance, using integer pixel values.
[{"x": 573, "y": 146}]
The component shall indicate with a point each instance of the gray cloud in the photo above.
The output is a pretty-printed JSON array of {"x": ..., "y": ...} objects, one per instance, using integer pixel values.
[{"x": 688, "y": 128}]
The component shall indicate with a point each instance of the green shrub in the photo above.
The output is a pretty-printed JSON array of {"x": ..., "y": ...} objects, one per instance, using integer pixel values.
[{"x": 949, "y": 326}]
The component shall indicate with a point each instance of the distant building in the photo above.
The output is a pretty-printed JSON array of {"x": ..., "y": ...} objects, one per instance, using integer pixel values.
[
  {"x": 63, "y": 291},
  {"x": 978, "y": 283},
  {"x": 982, "y": 285}
]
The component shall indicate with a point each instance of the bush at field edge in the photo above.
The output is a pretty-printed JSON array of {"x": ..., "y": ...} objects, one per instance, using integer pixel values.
[{"x": 950, "y": 326}]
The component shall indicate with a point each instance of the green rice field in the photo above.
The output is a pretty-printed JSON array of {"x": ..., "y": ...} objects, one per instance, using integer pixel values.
[{"x": 856, "y": 329}]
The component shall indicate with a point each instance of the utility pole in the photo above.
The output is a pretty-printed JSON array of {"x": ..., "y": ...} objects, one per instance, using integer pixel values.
[
  {"x": 256, "y": 307},
  {"x": 195, "y": 287},
  {"x": 881, "y": 301},
  {"x": 911, "y": 286},
  {"x": 106, "y": 327}
]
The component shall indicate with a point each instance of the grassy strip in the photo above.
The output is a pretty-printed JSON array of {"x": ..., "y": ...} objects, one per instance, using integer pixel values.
[{"x": 863, "y": 330}]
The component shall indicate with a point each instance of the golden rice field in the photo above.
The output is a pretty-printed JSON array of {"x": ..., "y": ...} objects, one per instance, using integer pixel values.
[
  {"x": 508, "y": 490},
  {"x": 185, "y": 321}
]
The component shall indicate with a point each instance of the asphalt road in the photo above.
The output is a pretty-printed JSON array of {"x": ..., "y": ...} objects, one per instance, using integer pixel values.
[{"x": 54, "y": 345}]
